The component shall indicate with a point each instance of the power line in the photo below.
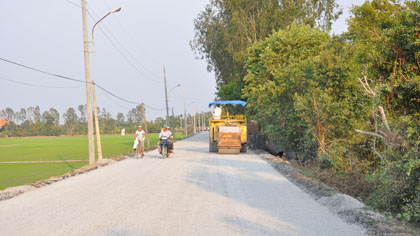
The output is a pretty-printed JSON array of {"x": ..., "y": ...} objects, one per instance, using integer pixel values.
[
  {"x": 41, "y": 71},
  {"x": 76, "y": 80},
  {"x": 115, "y": 46},
  {"x": 72, "y": 3},
  {"x": 124, "y": 48},
  {"x": 112, "y": 100},
  {"x": 123, "y": 99},
  {"x": 37, "y": 85},
  {"x": 119, "y": 51},
  {"x": 132, "y": 38}
]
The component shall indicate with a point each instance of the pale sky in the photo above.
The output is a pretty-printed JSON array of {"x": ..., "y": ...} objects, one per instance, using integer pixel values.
[{"x": 47, "y": 35}]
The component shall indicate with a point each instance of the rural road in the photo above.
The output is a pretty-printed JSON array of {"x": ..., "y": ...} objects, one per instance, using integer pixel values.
[{"x": 194, "y": 193}]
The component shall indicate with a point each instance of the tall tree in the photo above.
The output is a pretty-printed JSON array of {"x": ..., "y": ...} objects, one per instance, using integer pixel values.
[
  {"x": 10, "y": 114},
  {"x": 30, "y": 114},
  {"x": 37, "y": 114},
  {"x": 3, "y": 114},
  {"x": 120, "y": 118},
  {"x": 82, "y": 110},
  {"x": 226, "y": 29},
  {"x": 21, "y": 115},
  {"x": 56, "y": 115},
  {"x": 70, "y": 119},
  {"x": 47, "y": 118}
]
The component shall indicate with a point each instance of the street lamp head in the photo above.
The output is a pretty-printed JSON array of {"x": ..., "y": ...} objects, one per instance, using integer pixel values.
[{"x": 115, "y": 10}]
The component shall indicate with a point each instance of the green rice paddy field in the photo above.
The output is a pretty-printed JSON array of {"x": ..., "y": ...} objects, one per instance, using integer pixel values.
[{"x": 54, "y": 149}]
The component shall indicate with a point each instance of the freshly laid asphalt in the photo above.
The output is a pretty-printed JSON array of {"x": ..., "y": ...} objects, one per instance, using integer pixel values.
[{"x": 194, "y": 192}]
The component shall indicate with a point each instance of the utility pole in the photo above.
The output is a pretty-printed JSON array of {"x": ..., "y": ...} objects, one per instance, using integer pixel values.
[
  {"x": 185, "y": 115},
  {"x": 199, "y": 121},
  {"x": 204, "y": 121},
  {"x": 195, "y": 126},
  {"x": 145, "y": 126},
  {"x": 173, "y": 114},
  {"x": 98, "y": 134},
  {"x": 166, "y": 98},
  {"x": 88, "y": 86}
]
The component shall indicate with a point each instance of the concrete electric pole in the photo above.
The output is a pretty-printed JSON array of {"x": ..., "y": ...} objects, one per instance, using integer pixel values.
[
  {"x": 88, "y": 86},
  {"x": 166, "y": 98},
  {"x": 98, "y": 133},
  {"x": 185, "y": 115}
]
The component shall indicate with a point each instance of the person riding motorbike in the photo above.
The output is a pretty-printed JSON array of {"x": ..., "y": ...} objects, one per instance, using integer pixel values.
[{"x": 164, "y": 137}]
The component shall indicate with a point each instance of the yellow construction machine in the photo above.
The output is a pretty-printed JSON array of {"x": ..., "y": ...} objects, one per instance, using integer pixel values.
[{"x": 228, "y": 133}]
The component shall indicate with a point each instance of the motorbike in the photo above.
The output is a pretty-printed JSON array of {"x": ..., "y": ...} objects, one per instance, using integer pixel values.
[{"x": 164, "y": 144}]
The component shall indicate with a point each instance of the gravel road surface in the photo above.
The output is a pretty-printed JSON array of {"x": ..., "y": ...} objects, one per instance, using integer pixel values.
[{"x": 193, "y": 193}]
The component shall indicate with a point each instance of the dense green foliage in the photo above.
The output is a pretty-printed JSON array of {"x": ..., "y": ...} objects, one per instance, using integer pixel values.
[
  {"x": 350, "y": 102},
  {"x": 225, "y": 29}
]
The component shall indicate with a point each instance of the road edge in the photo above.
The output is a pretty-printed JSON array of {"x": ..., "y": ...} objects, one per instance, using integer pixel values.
[{"x": 346, "y": 207}]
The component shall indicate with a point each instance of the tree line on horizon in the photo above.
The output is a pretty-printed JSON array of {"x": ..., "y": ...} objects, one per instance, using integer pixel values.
[
  {"x": 349, "y": 102},
  {"x": 34, "y": 122}
]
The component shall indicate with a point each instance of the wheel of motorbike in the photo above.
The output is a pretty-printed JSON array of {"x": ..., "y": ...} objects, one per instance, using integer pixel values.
[
  {"x": 168, "y": 152},
  {"x": 164, "y": 151}
]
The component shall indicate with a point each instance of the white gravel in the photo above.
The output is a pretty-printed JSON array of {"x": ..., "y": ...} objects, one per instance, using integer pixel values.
[{"x": 194, "y": 193}]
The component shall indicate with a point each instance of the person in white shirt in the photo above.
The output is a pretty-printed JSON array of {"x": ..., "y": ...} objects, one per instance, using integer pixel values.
[
  {"x": 164, "y": 136},
  {"x": 139, "y": 138},
  {"x": 217, "y": 112}
]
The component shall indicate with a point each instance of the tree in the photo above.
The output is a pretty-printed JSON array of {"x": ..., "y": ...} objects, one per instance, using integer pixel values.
[
  {"x": 120, "y": 119},
  {"x": 30, "y": 114},
  {"x": 3, "y": 114},
  {"x": 225, "y": 30},
  {"x": 10, "y": 114},
  {"x": 70, "y": 119},
  {"x": 385, "y": 37},
  {"x": 37, "y": 114},
  {"x": 21, "y": 115},
  {"x": 131, "y": 116},
  {"x": 56, "y": 116},
  {"x": 47, "y": 118},
  {"x": 82, "y": 110},
  {"x": 277, "y": 71}
]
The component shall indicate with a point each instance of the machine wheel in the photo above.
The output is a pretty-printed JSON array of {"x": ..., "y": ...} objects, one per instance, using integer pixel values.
[
  {"x": 243, "y": 147},
  {"x": 212, "y": 147}
]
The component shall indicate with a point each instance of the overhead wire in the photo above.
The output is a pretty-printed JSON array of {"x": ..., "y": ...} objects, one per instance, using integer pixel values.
[
  {"x": 115, "y": 46},
  {"x": 112, "y": 99},
  {"x": 127, "y": 33},
  {"x": 72, "y": 3},
  {"x": 37, "y": 85},
  {"x": 41, "y": 71},
  {"x": 77, "y": 80},
  {"x": 121, "y": 45}
]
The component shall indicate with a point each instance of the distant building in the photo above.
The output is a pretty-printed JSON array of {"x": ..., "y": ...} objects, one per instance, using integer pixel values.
[{"x": 4, "y": 122}]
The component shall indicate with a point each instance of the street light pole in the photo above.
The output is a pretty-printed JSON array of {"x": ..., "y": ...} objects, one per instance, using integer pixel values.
[
  {"x": 166, "y": 98},
  {"x": 88, "y": 86},
  {"x": 185, "y": 114},
  {"x": 98, "y": 135}
]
